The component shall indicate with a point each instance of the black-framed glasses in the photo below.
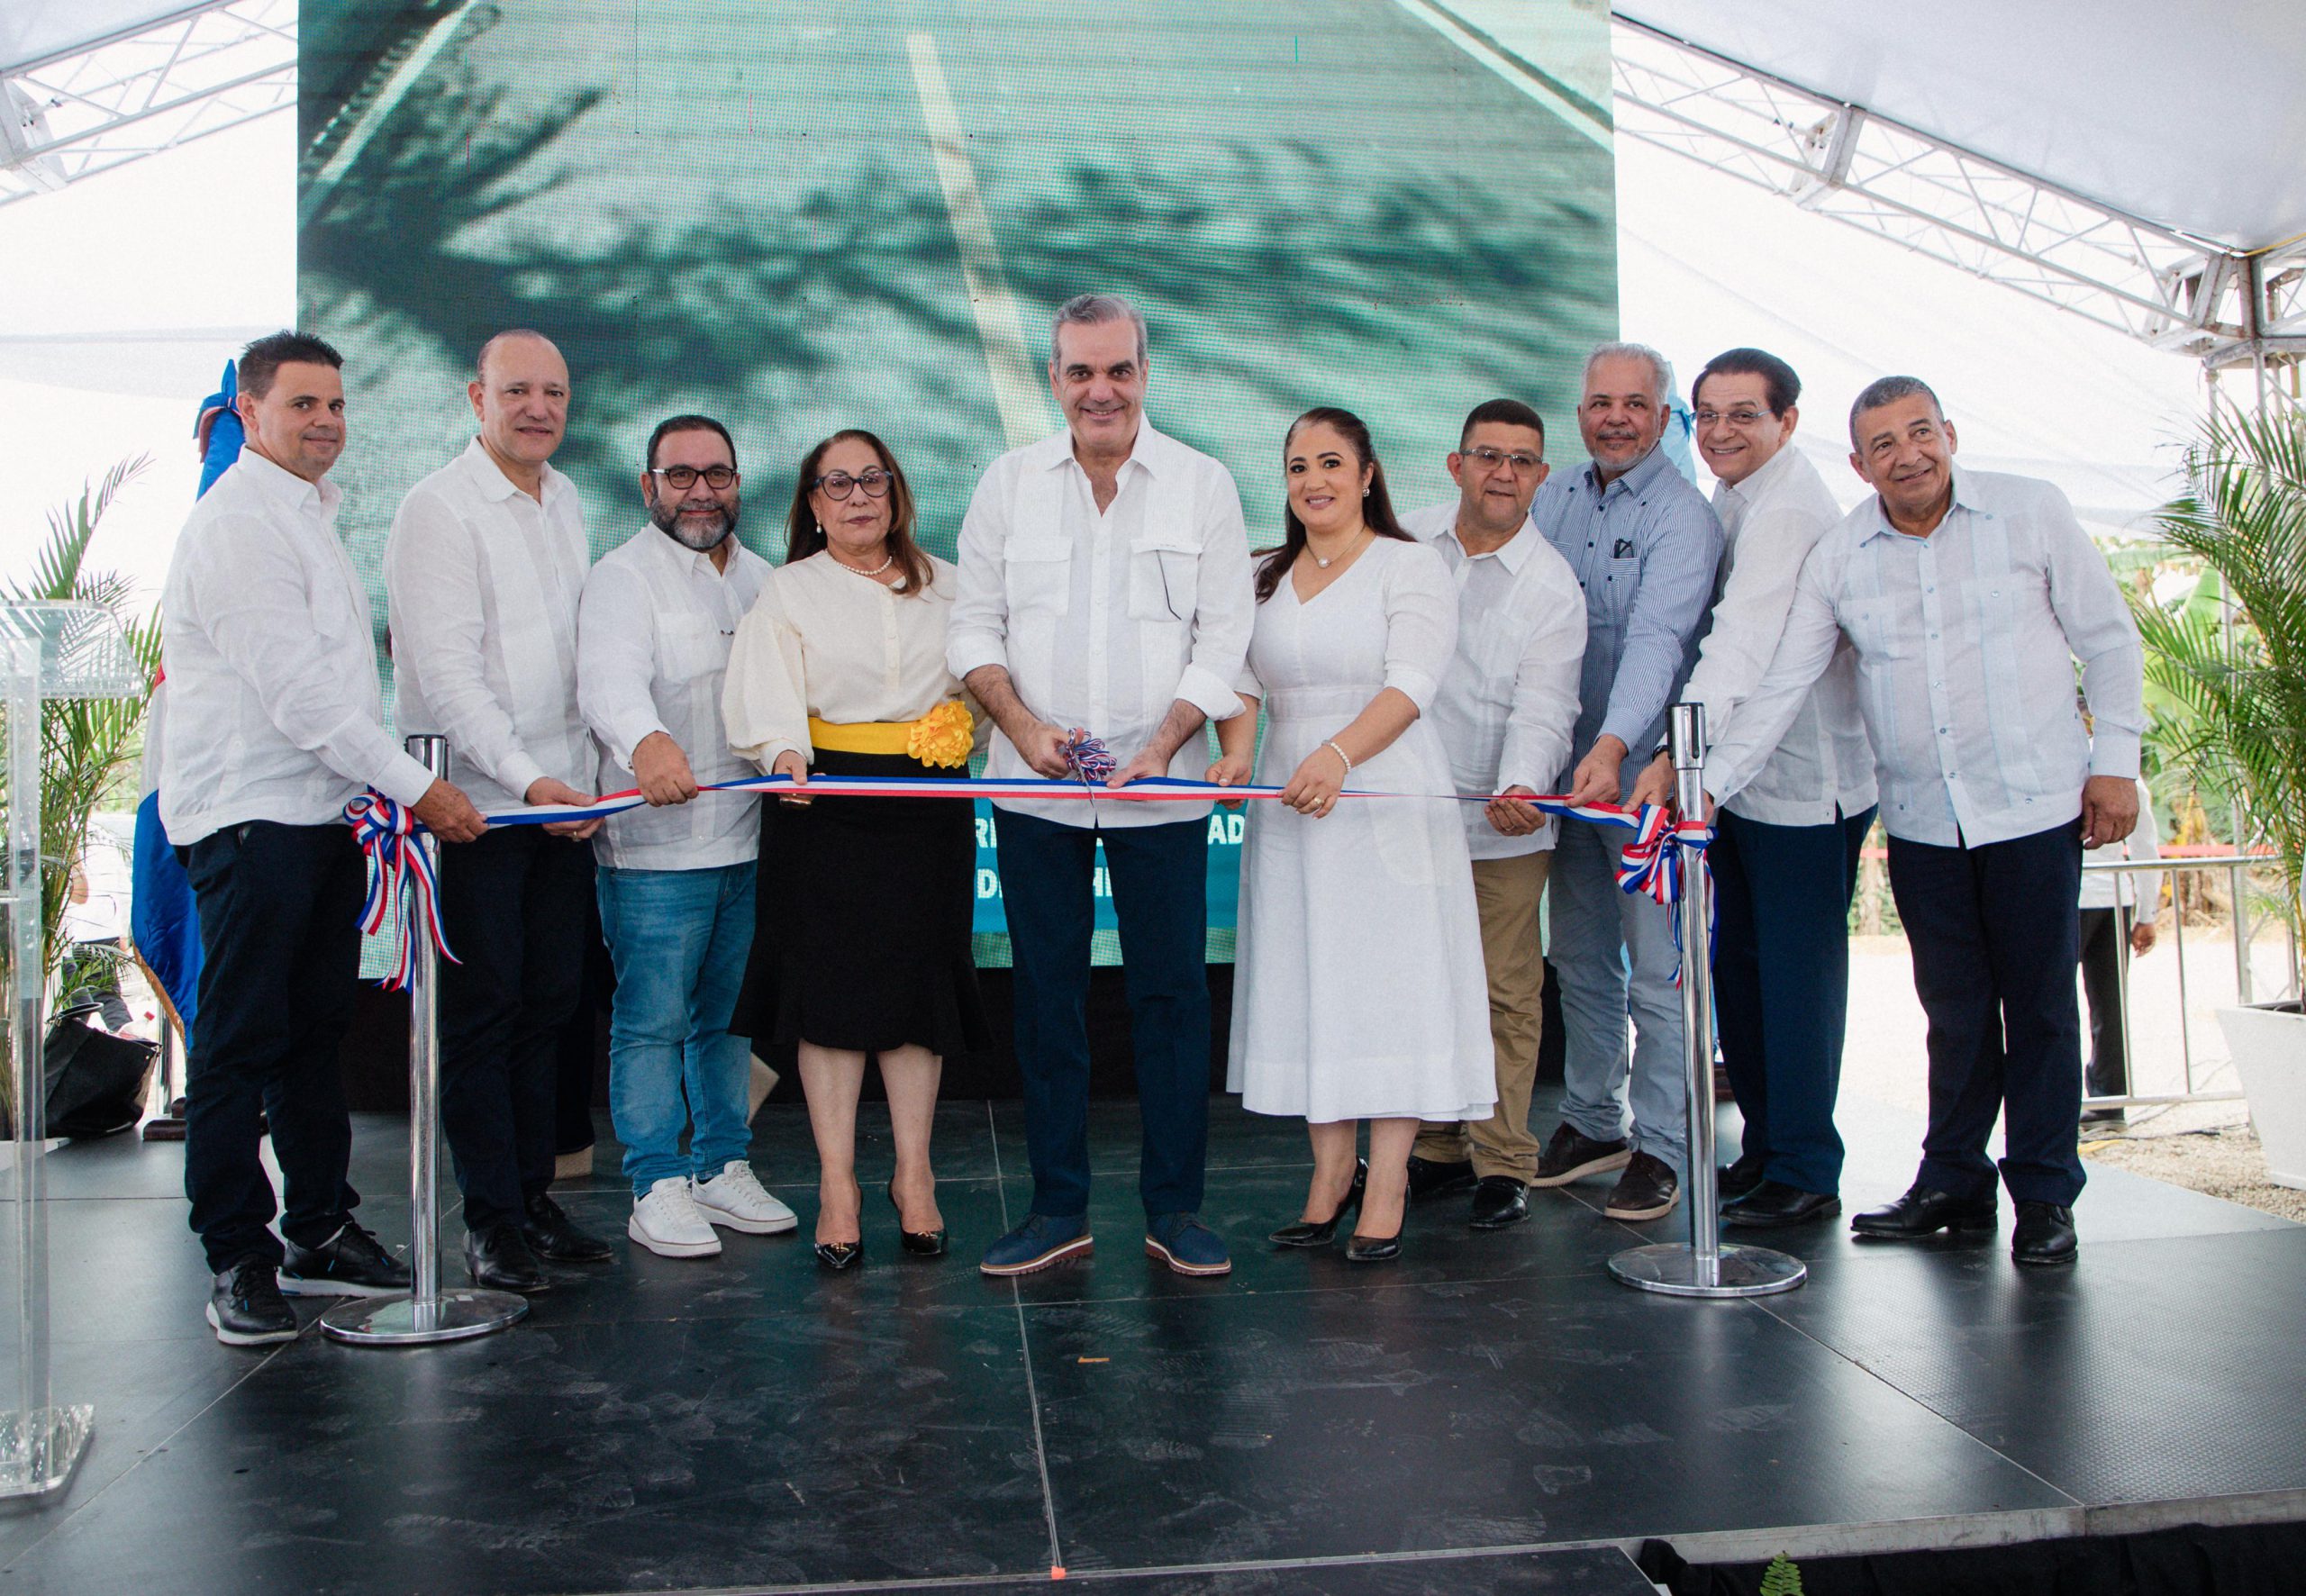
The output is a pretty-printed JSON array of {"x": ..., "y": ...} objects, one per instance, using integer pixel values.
[
  {"x": 681, "y": 479},
  {"x": 1489, "y": 459},
  {"x": 838, "y": 484}
]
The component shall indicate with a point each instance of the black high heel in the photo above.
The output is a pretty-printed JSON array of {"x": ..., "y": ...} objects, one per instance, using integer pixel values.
[
  {"x": 840, "y": 1254},
  {"x": 1305, "y": 1233},
  {"x": 921, "y": 1244}
]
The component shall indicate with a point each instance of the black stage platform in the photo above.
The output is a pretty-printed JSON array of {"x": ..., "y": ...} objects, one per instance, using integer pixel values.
[{"x": 1491, "y": 1414}]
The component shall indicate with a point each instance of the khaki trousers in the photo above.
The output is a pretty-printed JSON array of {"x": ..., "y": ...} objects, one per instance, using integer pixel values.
[{"x": 1506, "y": 892}]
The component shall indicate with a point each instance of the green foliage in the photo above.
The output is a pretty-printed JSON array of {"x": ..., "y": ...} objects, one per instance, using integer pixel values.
[
  {"x": 85, "y": 744},
  {"x": 1782, "y": 1577},
  {"x": 2230, "y": 699}
]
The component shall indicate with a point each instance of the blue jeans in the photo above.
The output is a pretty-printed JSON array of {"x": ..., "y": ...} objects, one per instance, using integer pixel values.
[{"x": 680, "y": 939}]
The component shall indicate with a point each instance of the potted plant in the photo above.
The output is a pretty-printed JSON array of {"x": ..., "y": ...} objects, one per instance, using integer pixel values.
[
  {"x": 85, "y": 744},
  {"x": 2239, "y": 723}
]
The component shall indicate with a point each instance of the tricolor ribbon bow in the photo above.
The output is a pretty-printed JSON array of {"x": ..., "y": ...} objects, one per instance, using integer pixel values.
[
  {"x": 1093, "y": 764},
  {"x": 1659, "y": 863},
  {"x": 403, "y": 877}
]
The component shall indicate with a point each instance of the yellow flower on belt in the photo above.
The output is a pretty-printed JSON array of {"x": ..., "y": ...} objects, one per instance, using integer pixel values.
[{"x": 943, "y": 735}]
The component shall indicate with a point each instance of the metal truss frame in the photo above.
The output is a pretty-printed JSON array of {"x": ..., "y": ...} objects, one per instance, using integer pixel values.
[
  {"x": 207, "y": 67},
  {"x": 2226, "y": 307}
]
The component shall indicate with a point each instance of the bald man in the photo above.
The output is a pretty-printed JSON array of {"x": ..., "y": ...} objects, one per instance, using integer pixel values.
[{"x": 483, "y": 571}]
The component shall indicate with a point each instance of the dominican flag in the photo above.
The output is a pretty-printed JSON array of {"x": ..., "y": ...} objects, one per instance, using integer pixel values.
[{"x": 162, "y": 918}]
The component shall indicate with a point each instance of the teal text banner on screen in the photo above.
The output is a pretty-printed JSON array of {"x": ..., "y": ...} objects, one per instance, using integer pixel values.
[{"x": 800, "y": 218}]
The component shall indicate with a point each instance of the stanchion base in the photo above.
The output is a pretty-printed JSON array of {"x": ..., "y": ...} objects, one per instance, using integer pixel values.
[
  {"x": 37, "y": 1458},
  {"x": 397, "y": 1321},
  {"x": 1744, "y": 1272}
]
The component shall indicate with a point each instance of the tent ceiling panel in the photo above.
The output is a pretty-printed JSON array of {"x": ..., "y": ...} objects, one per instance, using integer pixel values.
[
  {"x": 2189, "y": 119},
  {"x": 38, "y": 30}
]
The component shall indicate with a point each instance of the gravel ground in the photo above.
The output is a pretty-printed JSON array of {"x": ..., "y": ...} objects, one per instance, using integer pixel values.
[{"x": 2225, "y": 1163}]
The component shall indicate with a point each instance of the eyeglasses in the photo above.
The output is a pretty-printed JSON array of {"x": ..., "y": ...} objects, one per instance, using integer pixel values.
[
  {"x": 838, "y": 484},
  {"x": 1489, "y": 459},
  {"x": 681, "y": 479},
  {"x": 1736, "y": 418}
]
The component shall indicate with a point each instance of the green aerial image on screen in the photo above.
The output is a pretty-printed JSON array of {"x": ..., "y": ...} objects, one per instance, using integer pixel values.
[{"x": 802, "y": 217}]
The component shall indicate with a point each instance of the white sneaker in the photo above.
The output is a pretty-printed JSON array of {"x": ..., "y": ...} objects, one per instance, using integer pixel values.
[
  {"x": 733, "y": 1198},
  {"x": 667, "y": 1222}
]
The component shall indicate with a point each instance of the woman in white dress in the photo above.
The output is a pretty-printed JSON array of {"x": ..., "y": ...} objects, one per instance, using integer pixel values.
[{"x": 1359, "y": 988}]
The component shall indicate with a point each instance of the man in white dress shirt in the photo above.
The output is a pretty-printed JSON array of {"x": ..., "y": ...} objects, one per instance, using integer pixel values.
[
  {"x": 675, "y": 880},
  {"x": 1504, "y": 710},
  {"x": 483, "y": 571},
  {"x": 1968, "y": 596},
  {"x": 1105, "y": 587},
  {"x": 1786, "y": 851},
  {"x": 275, "y": 722}
]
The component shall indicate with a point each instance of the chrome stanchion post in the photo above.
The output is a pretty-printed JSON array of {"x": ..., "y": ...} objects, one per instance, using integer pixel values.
[
  {"x": 1703, "y": 1267},
  {"x": 426, "y": 1314}
]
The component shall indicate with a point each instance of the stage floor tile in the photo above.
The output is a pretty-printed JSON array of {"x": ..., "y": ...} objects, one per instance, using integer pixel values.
[{"x": 1569, "y": 1571}]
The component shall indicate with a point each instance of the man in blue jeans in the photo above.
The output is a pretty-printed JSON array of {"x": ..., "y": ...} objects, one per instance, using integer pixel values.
[
  {"x": 676, "y": 882},
  {"x": 1104, "y": 588}
]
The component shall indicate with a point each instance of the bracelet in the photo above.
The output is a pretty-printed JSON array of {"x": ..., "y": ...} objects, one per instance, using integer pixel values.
[{"x": 1340, "y": 753}]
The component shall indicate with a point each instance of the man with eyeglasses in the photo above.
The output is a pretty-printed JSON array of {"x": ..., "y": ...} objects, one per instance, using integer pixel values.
[
  {"x": 1785, "y": 852},
  {"x": 675, "y": 880},
  {"x": 483, "y": 571},
  {"x": 1644, "y": 546},
  {"x": 1504, "y": 710},
  {"x": 1104, "y": 588}
]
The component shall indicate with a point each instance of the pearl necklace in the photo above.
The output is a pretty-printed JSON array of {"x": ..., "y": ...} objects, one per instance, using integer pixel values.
[
  {"x": 875, "y": 571},
  {"x": 1341, "y": 554}
]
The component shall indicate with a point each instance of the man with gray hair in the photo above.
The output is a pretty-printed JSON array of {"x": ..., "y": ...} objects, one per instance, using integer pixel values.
[
  {"x": 1969, "y": 597},
  {"x": 1104, "y": 592},
  {"x": 1645, "y": 546}
]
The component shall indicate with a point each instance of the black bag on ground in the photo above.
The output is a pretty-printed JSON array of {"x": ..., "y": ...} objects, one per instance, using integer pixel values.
[{"x": 96, "y": 1081}]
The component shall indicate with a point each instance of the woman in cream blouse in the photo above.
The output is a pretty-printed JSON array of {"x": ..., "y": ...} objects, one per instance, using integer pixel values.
[{"x": 862, "y": 940}]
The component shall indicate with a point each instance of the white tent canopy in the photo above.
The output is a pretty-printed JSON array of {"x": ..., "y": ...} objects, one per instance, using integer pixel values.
[
  {"x": 2189, "y": 118},
  {"x": 32, "y": 32}
]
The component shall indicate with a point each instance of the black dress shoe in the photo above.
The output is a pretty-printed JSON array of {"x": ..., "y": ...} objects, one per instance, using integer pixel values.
[
  {"x": 246, "y": 1308},
  {"x": 2044, "y": 1234},
  {"x": 840, "y": 1254},
  {"x": 349, "y": 1263},
  {"x": 921, "y": 1244},
  {"x": 550, "y": 1233},
  {"x": 1736, "y": 1179},
  {"x": 1372, "y": 1249},
  {"x": 498, "y": 1258},
  {"x": 1924, "y": 1210},
  {"x": 1773, "y": 1202},
  {"x": 1305, "y": 1233},
  {"x": 1499, "y": 1201},
  {"x": 1430, "y": 1177}
]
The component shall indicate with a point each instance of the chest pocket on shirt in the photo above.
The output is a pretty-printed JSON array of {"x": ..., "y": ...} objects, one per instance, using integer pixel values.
[
  {"x": 1163, "y": 576},
  {"x": 1038, "y": 571},
  {"x": 1875, "y": 626},
  {"x": 688, "y": 648}
]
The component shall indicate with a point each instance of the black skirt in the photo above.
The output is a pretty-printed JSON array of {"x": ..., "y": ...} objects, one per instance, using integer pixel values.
[{"x": 861, "y": 941}]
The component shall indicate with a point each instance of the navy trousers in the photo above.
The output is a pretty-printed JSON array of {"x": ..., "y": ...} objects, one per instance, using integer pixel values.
[
  {"x": 280, "y": 963},
  {"x": 1159, "y": 876},
  {"x": 1995, "y": 942},
  {"x": 1781, "y": 984}
]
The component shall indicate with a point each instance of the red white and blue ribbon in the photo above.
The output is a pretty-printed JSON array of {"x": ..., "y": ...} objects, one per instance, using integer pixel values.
[
  {"x": 1647, "y": 867},
  {"x": 402, "y": 878}
]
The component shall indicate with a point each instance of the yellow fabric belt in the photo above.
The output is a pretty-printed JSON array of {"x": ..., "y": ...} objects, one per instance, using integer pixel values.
[{"x": 941, "y": 737}]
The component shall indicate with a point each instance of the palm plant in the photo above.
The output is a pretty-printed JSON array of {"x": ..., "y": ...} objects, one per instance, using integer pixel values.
[
  {"x": 2235, "y": 710},
  {"x": 85, "y": 743}
]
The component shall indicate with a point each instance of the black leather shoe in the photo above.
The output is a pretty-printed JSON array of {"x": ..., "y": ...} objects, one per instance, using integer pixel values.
[
  {"x": 1304, "y": 1233},
  {"x": 1372, "y": 1249},
  {"x": 551, "y": 1234},
  {"x": 921, "y": 1244},
  {"x": 2044, "y": 1234},
  {"x": 1924, "y": 1210},
  {"x": 1572, "y": 1154},
  {"x": 838, "y": 1255},
  {"x": 246, "y": 1308},
  {"x": 1736, "y": 1179},
  {"x": 349, "y": 1263},
  {"x": 1773, "y": 1202},
  {"x": 1499, "y": 1201},
  {"x": 499, "y": 1260},
  {"x": 1428, "y": 1177}
]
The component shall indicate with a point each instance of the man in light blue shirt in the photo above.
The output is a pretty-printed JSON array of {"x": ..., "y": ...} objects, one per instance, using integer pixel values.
[{"x": 1645, "y": 546}]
